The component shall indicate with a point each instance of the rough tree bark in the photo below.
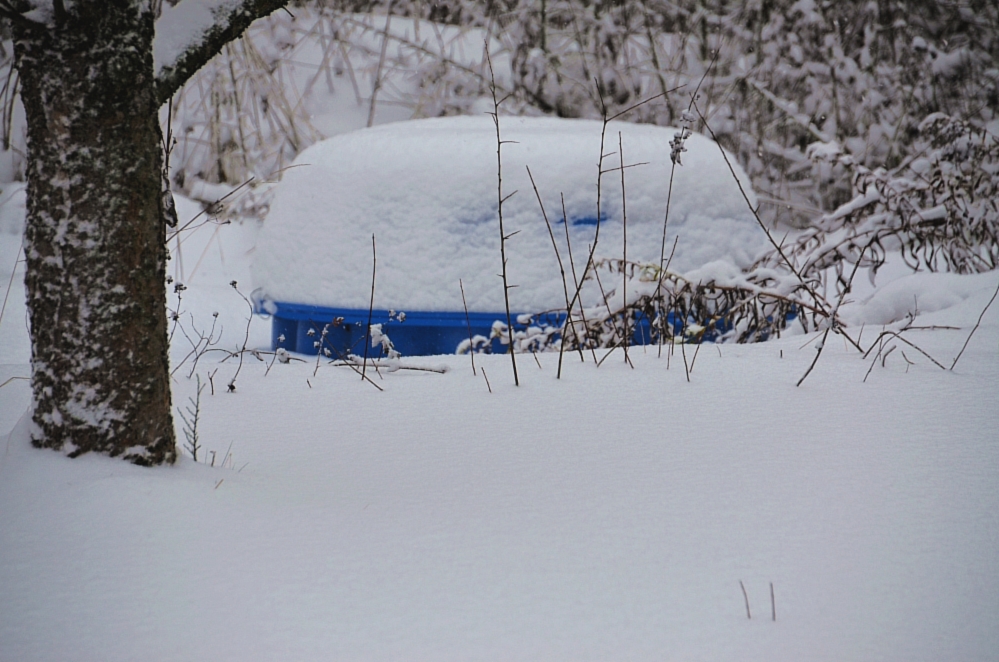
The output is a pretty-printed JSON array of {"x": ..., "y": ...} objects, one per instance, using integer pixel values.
[{"x": 95, "y": 236}]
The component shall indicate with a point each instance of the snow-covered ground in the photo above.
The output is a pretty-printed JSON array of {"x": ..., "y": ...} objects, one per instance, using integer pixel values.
[{"x": 608, "y": 515}]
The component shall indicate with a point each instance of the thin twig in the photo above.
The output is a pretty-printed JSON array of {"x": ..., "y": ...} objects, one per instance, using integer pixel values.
[
  {"x": 664, "y": 322},
  {"x": 371, "y": 304},
  {"x": 382, "y": 364},
  {"x": 576, "y": 283},
  {"x": 246, "y": 338},
  {"x": 683, "y": 350},
  {"x": 697, "y": 348},
  {"x": 746, "y": 597},
  {"x": 815, "y": 359},
  {"x": 353, "y": 367},
  {"x": 624, "y": 249},
  {"x": 596, "y": 235},
  {"x": 780, "y": 251},
  {"x": 884, "y": 356},
  {"x": 968, "y": 339},
  {"x": 10, "y": 282},
  {"x": 271, "y": 364},
  {"x": 319, "y": 344},
  {"x": 214, "y": 205},
  {"x": 341, "y": 357},
  {"x": 871, "y": 367},
  {"x": 501, "y": 199},
  {"x": 669, "y": 197},
  {"x": 377, "y": 84},
  {"x": 11, "y": 379},
  {"x": 662, "y": 253},
  {"x": 561, "y": 268},
  {"x": 898, "y": 336},
  {"x": 834, "y": 316},
  {"x": 645, "y": 101},
  {"x": 609, "y": 352},
  {"x": 468, "y": 325}
]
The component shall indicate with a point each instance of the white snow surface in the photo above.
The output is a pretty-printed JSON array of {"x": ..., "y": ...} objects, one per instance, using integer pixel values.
[
  {"x": 427, "y": 190},
  {"x": 607, "y": 515}
]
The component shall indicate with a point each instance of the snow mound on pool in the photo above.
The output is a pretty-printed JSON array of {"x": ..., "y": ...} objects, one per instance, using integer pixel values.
[{"x": 427, "y": 190}]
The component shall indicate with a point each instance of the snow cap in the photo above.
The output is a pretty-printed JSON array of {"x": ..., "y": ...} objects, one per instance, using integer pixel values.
[{"x": 427, "y": 190}]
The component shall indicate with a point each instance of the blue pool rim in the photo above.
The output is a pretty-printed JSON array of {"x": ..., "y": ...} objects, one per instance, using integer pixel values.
[
  {"x": 422, "y": 333},
  {"x": 299, "y": 328}
]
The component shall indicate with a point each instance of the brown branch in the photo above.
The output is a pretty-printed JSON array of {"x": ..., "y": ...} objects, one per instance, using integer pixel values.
[
  {"x": 780, "y": 251},
  {"x": 624, "y": 249},
  {"x": 815, "y": 359},
  {"x": 468, "y": 325},
  {"x": 228, "y": 28},
  {"x": 565, "y": 285},
  {"x": 968, "y": 339},
  {"x": 745, "y": 596},
  {"x": 534, "y": 97},
  {"x": 371, "y": 305},
  {"x": 502, "y": 199},
  {"x": 14, "y": 10},
  {"x": 752, "y": 289},
  {"x": 383, "y": 364},
  {"x": 882, "y": 354},
  {"x": 576, "y": 282}
]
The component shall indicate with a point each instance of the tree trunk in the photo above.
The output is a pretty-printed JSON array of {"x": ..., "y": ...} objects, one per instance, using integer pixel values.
[{"x": 95, "y": 239}]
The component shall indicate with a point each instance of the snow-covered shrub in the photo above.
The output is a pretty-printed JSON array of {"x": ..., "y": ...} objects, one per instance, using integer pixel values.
[
  {"x": 717, "y": 302},
  {"x": 778, "y": 75},
  {"x": 381, "y": 340},
  {"x": 939, "y": 209},
  {"x": 316, "y": 71},
  {"x": 239, "y": 120},
  {"x": 531, "y": 333}
]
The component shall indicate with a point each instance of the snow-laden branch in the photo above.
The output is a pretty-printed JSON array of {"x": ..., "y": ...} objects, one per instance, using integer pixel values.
[
  {"x": 191, "y": 33},
  {"x": 30, "y": 14}
]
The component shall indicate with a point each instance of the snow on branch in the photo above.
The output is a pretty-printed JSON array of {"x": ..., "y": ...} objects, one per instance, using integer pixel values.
[
  {"x": 33, "y": 13},
  {"x": 191, "y": 33}
]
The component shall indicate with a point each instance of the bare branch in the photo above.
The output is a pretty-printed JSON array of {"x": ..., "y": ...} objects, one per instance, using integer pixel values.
[
  {"x": 977, "y": 324},
  {"x": 227, "y": 28},
  {"x": 13, "y": 12}
]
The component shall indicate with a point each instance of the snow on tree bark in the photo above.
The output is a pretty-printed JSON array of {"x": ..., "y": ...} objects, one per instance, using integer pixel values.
[
  {"x": 94, "y": 240},
  {"x": 95, "y": 237}
]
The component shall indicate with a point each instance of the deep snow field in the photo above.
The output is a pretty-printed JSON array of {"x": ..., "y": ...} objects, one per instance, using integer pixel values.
[{"x": 609, "y": 515}]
